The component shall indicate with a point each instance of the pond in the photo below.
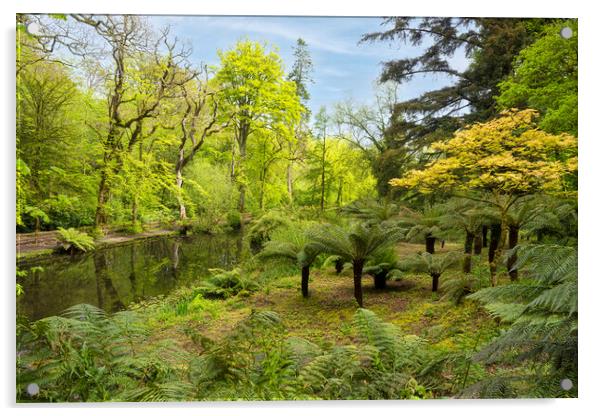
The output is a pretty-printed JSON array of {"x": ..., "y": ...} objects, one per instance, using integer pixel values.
[{"x": 114, "y": 277}]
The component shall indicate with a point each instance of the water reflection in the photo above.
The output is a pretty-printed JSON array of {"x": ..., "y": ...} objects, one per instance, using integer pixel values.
[{"x": 114, "y": 277}]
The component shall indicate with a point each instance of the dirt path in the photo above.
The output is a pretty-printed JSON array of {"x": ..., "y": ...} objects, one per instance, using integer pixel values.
[{"x": 28, "y": 243}]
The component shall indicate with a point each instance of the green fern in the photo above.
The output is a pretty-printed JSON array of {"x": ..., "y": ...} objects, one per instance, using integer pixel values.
[
  {"x": 72, "y": 240},
  {"x": 542, "y": 312}
]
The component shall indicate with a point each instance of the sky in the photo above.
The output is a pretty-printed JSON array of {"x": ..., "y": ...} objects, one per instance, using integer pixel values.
[{"x": 343, "y": 68}]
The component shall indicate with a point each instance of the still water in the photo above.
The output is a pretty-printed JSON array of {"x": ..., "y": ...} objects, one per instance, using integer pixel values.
[{"x": 116, "y": 276}]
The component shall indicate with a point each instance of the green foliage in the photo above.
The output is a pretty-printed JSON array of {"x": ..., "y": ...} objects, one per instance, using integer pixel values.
[
  {"x": 379, "y": 367},
  {"x": 87, "y": 356},
  {"x": 545, "y": 78},
  {"x": 261, "y": 229},
  {"x": 422, "y": 224},
  {"x": 455, "y": 289},
  {"x": 385, "y": 263},
  {"x": 356, "y": 243},
  {"x": 224, "y": 284},
  {"x": 542, "y": 313},
  {"x": 372, "y": 211},
  {"x": 256, "y": 362},
  {"x": 72, "y": 240}
]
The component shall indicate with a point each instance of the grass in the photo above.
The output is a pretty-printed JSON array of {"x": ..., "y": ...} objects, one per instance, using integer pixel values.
[{"x": 324, "y": 318}]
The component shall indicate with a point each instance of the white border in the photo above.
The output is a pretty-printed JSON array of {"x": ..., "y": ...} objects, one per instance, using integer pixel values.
[{"x": 590, "y": 163}]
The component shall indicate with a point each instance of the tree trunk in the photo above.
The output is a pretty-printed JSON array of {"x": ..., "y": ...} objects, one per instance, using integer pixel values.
[
  {"x": 430, "y": 244},
  {"x": 478, "y": 243},
  {"x": 289, "y": 182},
  {"x": 338, "y": 265},
  {"x": 512, "y": 242},
  {"x": 484, "y": 233},
  {"x": 340, "y": 193},
  {"x": 358, "y": 268},
  {"x": 103, "y": 190},
  {"x": 134, "y": 211},
  {"x": 380, "y": 281},
  {"x": 496, "y": 247},
  {"x": 495, "y": 238},
  {"x": 323, "y": 174},
  {"x": 242, "y": 147},
  {"x": 435, "y": 277},
  {"x": 468, "y": 242},
  {"x": 180, "y": 183},
  {"x": 305, "y": 281}
]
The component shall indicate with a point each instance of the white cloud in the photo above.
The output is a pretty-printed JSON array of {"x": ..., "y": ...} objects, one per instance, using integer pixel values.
[{"x": 327, "y": 42}]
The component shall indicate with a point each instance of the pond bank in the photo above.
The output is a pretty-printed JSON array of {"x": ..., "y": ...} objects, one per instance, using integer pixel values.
[{"x": 30, "y": 245}]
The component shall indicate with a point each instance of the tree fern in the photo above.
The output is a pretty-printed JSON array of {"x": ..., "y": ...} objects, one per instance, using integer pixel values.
[
  {"x": 542, "y": 312},
  {"x": 72, "y": 240}
]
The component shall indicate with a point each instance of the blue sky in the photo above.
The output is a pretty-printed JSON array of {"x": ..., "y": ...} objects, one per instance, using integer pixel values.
[{"x": 343, "y": 69}]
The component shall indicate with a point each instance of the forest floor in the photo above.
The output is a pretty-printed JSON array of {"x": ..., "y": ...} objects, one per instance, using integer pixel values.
[
  {"x": 325, "y": 317},
  {"x": 45, "y": 242}
]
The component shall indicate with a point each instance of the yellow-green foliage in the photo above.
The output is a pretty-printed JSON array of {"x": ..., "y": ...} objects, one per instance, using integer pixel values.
[{"x": 508, "y": 154}]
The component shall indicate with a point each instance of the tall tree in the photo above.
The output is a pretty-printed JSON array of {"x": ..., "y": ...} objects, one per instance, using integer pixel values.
[
  {"x": 253, "y": 84},
  {"x": 320, "y": 126},
  {"x": 142, "y": 78},
  {"x": 491, "y": 44},
  {"x": 301, "y": 75},
  {"x": 199, "y": 120},
  {"x": 301, "y": 72}
]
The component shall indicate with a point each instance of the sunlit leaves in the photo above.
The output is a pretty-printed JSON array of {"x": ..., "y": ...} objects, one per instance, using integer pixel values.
[{"x": 509, "y": 155}]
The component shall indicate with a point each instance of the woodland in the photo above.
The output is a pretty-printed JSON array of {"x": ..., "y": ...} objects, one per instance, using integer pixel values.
[{"x": 401, "y": 249}]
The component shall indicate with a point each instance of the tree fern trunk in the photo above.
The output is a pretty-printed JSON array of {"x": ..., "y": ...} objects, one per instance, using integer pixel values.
[
  {"x": 435, "y": 277},
  {"x": 338, "y": 265},
  {"x": 512, "y": 242},
  {"x": 498, "y": 241},
  {"x": 478, "y": 243},
  {"x": 484, "y": 234},
  {"x": 468, "y": 242},
  {"x": 358, "y": 268},
  {"x": 496, "y": 230},
  {"x": 430, "y": 244},
  {"x": 305, "y": 281},
  {"x": 380, "y": 281}
]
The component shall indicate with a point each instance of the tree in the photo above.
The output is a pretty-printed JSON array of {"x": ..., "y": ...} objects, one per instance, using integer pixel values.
[
  {"x": 253, "y": 86},
  {"x": 366, "y": 127},
  {"x": 299, "y": 249},
  {"x": 301, "y": 71},
  {"x": 542, "y": 313},
  {"x": 140, "y": 83},
  {"x": 355, "y": 245},
  {"x": 507, "y": 158},
  {"x": 199, "y": 120},
  {"x": 544, "y": 78},
  {"x": 434, "y": 265},
  {"x": 301, "y": 75},
  {"x": 464, "y": 214},
  {"x": 383, "y": 265},
  {"x": 423, "y": 225},
  {"x": 321, "y": 124},
  {"x": 490, "y": 43}
]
